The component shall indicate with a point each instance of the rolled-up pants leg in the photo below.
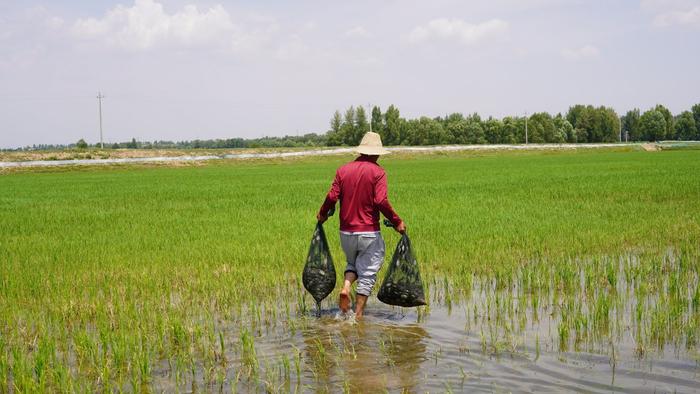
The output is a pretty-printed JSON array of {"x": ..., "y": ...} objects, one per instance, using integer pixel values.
[{"x": 365, "y": 255}]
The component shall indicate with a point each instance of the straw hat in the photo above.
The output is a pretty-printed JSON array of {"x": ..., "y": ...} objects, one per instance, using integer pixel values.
[{"x": 371, "y": 144}]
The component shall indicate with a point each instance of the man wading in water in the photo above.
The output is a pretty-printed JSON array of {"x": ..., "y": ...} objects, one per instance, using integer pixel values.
[{"x": 361, "y": 188}]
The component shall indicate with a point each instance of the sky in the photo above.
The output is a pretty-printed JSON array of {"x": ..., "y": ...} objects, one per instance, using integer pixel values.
[{"x": 182, "y": 70}]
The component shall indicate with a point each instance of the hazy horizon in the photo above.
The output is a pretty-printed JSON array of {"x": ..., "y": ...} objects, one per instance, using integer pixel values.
[{"x": 184, "y": 70}]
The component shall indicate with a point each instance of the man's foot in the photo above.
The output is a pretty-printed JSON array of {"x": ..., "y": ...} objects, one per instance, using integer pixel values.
[
  {"x": 344, "y": 302},
  {"x": 361, "y": 300}
]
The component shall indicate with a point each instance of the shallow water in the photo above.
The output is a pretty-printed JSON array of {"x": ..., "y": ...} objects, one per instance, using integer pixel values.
[
  {"x": 404, "y": 350},
  {"x": 605, "y": 325}
]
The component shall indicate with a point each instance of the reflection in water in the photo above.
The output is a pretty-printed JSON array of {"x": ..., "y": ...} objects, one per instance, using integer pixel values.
[
  {"x": 543, "y": 333},
  {"x": 372, "y": 355}
]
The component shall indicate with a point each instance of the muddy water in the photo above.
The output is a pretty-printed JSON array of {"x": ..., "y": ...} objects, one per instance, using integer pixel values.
[
  {"x": 443, "y": 350},
  {"x": 443, "y": 353},
  {"x": 550, "y": 328}
]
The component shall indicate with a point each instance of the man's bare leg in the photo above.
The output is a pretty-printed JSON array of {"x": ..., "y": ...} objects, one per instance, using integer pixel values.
[
  {"x": 344, "y": 302},
  {"x": 361, "y": 300}
]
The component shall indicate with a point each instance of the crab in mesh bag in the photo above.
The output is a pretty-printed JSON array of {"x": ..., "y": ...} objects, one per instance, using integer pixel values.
[
  {"x": 319, "y": 276},
  {"x": 402, "y": 285}
]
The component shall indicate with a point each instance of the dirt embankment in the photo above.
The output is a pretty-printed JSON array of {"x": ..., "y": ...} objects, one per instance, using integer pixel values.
[{"x": 120, "y": 156}]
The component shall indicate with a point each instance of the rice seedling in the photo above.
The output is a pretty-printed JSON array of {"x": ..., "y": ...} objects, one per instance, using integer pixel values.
[{"x": 143, "y": 278}]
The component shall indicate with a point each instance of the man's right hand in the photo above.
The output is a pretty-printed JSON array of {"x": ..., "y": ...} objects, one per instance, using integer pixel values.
[
  {"x": 401, "y": 228},
  {"x": 321, "y": 218}
]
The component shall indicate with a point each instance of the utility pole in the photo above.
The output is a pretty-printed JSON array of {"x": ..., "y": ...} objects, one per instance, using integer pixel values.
[
  {"x": 369, "y": 107},
  {"x": 620, "y": 130},
  {"x": 99, "y": 101},
  {"x": 526, "y": 127}
]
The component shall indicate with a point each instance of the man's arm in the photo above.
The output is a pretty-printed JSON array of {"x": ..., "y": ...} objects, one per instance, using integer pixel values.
[
  {"x": 381, "y": 200},
  {"x": 331, "y": 199}
]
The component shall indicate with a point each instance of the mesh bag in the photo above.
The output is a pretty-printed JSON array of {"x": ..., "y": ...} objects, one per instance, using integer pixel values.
[
  {"x": 319, "y": 273},
  {"x": 402, "y": 285}
]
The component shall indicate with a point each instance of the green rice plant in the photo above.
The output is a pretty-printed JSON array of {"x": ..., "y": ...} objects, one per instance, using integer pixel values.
[
  {"x": 115, "y": 274},
  {"x": 249, "y": 358}
]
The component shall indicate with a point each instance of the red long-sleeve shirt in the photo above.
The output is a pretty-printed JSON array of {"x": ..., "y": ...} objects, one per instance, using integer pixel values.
[{"x": 361, "y": 188}]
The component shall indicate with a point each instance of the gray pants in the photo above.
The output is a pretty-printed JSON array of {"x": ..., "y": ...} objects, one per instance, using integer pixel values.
[{"x": 365, "y": 255}]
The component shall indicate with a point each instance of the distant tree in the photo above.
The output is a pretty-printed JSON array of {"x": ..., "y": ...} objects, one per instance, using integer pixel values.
[
  {"x": 361, "y": 123},
  {"x": 652, "y": 125},
  {"x": 81, "y": 144},
  {"x": 594, "y": 124},
  {"x": 564, "y": 130},
  {"x": 540, "y": 128},
  {"x": 696, "y": 116},
  {"x": 377, "y": 121},
  {"x": 132, "y": 144},
  {"x": 467, "y": 131},
  {"x": 492, "y": 130},
  {"x": 685, "y": 127},
  {"x": 115, "y": 146},
  {"x": 475, "y": 129},
  {"x": 512, "y": 132},
  {"x": 668, "y": 117},
  {"x": 425, "y": 131},
  {"x": 334, "y": 135},
  {"x": 347, "y": 130},
  {"x": 392, "y": 126},
  {"x": 630, "y": 125},
  {"x": 608, "y": 125},
  {"x": 582, "y": 119}
]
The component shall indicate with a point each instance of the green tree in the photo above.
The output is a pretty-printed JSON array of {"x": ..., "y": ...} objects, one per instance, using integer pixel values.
[
  {"x": 335, "y": 136},
  {"x": 540, "y": 128},
  {"x": 425, "y": 131},
  {"x": 685, "y": 127},
  {"x": 377, "y": 121},
  {"x": 392, "y": 126},
  {"x": 492, "y": 130},
  {"x": 608, "y": 125},
  {"x": 513, "y": 130},
  {"x": 467, "y": 131},
  {"x": 582, "y": 118},
  {"x": 668, "y": 117},
  {"x": 361, "y": 123},
  {"x": 347, "y": 129},
  {"x": 81, "y": 144},
  {"x": 630, "y": 125},
  {"x": 132, "y": 144},
  {"x": 594, "y": 124},
  {"x": 696, "y": 116},
  {"x": 652, "y": 125},
  {"x": 564, "y": 130}
]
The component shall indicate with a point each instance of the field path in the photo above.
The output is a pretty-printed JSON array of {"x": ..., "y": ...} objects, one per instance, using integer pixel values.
[{"x": 315, "y": 152}]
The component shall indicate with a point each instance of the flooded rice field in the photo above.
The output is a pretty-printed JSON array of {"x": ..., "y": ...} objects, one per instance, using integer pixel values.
[{"x": 531, "y": 334}]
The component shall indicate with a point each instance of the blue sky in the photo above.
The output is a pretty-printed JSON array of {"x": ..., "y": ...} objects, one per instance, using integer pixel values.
[{"x": 174, "y": 70}]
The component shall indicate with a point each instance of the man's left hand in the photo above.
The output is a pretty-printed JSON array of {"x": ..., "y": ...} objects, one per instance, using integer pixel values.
[{"x": 321, "y": 218}]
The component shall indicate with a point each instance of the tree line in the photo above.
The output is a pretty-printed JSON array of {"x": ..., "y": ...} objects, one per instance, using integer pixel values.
[
  {"x": 581, "y": 123},
  {"x": 306, "y": 140}
]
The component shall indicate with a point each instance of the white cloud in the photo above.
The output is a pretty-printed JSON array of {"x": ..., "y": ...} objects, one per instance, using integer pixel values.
[
  {"x": 357, "y": 32},
  {"x": 585, "y": 52},
  {"x": 673, "y": 12},
  {"x": 457, "y": 29},
  {"x": 666, "y": 5},
  {"x": 54, "y": 22},
  {"x": 147, "y": 25},
  {"x": 687, "y": 17}
]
